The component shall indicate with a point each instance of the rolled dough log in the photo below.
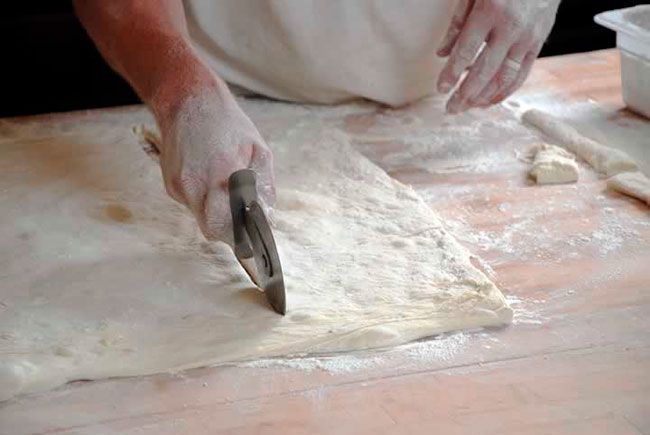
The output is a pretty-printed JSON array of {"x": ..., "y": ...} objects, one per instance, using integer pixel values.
[
  {"x": 634, "y": 184},
  {"x": 603, "y": 159},
  {"x": 103, "y": 275},
  {"x": 553, "y": 165}
]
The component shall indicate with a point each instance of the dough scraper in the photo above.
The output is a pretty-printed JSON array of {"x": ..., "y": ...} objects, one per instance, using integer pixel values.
[{"x": 254, "y": 244}]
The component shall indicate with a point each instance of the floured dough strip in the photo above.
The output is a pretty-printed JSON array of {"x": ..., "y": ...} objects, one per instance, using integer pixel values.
[
  {"x": 606, "y": 160},
  {"x": 634, "y": 184},
  {"x": 553, "y": 165}
]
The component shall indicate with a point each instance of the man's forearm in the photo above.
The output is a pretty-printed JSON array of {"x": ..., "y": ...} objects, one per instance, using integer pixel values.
[{"x": 147, "y": 42}]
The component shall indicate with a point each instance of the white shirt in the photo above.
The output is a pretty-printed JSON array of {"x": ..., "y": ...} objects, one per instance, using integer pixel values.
[{"x": 323, "y": 51}]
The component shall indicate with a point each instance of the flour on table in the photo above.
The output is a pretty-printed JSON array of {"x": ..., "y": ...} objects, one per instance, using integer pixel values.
[
  {"x": 633, "y": 184},
  {"x": 603, "y": 159},
  {"x": 103, "y": 275},
  {"x": 553, "y": 165}
]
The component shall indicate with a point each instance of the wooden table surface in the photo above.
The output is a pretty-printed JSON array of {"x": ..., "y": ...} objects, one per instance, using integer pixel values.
[{"x": 576, "y": 359}]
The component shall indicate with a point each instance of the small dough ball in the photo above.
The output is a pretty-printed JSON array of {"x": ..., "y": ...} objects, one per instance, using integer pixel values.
[{"x": 554, "y": 165}]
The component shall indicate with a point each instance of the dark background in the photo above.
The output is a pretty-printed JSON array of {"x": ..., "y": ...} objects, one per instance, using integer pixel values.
[{"x": 50, "y": 65}]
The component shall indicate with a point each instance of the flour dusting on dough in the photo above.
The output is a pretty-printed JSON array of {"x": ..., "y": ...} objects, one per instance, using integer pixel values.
[{"x": 367, "y": 263}]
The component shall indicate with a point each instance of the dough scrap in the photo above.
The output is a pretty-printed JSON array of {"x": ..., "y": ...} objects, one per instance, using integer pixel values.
[
  {"x": 633, "y": 184},
  {"x": 103, "y": 275},
  {"x": 553, "y": 165},
  {"x": 603, "y": 159}
]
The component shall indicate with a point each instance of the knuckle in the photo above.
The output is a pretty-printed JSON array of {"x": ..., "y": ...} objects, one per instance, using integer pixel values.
[
  {"x": 515, "y": 23},
  {"x": 483, "y": 76},
  {"x": 491, "y": 64},
  {"x": 507, "y": 77},
  {"x": 512, "y": 14},
  {"x": 262, "y": 158},
  {"x": 461, "y": 11},
  {"x": 498, "y": 6},
  {"x": 457, "y": 23},
  {"x": 538, "y": 36},
  {"x": 528, "y": 37},
  {"x": 264, "y": 153},
  {"x": 496, "y": 10},
  {"x": 508, "y": 14},
  {"x": 464, "y": 57}
]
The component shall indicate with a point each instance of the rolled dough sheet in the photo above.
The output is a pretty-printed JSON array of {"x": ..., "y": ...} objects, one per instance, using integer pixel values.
[
  {"x": 633, "y": 184},
  {"x": 553, "y": 165},
  {"x": 102, "y": 275},
  {"x": 603, "y": 159}
]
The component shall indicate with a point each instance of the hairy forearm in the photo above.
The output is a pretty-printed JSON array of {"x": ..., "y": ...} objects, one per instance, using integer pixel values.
[{"x": 146, "y": 41}]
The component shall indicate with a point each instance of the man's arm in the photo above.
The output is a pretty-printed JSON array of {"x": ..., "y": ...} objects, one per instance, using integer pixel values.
[
  {"x": 148, "y": 44},
  {"x": 205, "y": 134}
]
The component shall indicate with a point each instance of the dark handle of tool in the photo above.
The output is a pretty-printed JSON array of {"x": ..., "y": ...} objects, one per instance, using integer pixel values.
[{"x": 243, "y": 192}]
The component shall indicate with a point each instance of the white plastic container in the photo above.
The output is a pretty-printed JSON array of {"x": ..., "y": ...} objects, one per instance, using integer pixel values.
[{"x": 633, "y": 39}]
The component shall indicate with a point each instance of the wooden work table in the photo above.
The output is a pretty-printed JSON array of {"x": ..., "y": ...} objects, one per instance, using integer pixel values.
[{"x": 576, "y": 360}]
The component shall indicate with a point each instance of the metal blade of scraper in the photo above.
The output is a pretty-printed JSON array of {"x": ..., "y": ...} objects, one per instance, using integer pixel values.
[
  {"x": 254, "y": 244},
  {"x": 269, "y": 270}
]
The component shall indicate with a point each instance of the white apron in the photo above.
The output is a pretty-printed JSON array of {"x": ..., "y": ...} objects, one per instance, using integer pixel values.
[{"x": 323, "y": 51}]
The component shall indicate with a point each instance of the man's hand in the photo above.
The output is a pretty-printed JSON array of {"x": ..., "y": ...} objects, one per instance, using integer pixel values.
[
  {"x": 206, "y": 138},
  {"x": 498, "y": 41},
  {"x": 205, "y": 135}
]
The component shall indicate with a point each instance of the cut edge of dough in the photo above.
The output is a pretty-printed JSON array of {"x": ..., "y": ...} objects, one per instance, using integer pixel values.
[{"x": 634, "y": 184}]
